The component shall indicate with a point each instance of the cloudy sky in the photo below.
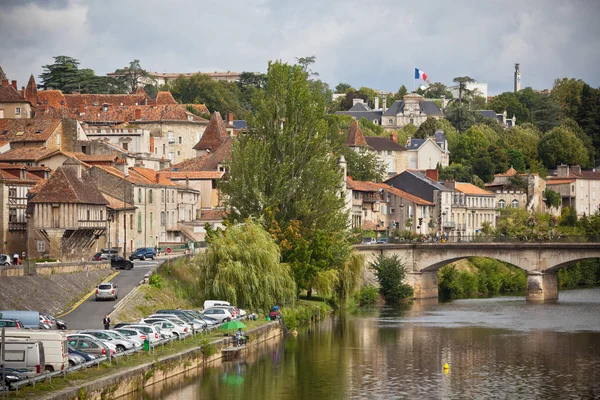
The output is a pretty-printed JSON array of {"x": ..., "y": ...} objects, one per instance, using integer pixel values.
[{"x": 374, "y": 43}]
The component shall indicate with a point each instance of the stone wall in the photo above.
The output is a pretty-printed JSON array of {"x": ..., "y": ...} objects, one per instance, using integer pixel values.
[{"x": 52, "y": 268}]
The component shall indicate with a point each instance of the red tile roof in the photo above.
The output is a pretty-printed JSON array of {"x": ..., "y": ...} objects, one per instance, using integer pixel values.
[
  {"x": 214, "y": 135},
  {"x": 510, "y": 172},
  {"x": 24, "y": 154},
  {"x": 31, "y": 92},
  {"x": 207, "y": 162},
  {"x": 355, "y": 136},
  {"x": 52, "y": 98},
  {"x": 117, "y": 204},
  {"x": 163, "y": 98},
  {"x": 468, "y": 188},
  {"x": 559, "y": 181},
  {"x": 365, "y": 186},
  {"x": 201, "y": 108},
  {"x": 65, "y": 187},
  {"x": 212, "y": 215},
  {"x": 409, "y": 197},
  {"x": 192, "y": 175},
  {"x": 9, "y": 94},
  {"x": 140, "y": 99},
  {"x": 28, "y": 130}
]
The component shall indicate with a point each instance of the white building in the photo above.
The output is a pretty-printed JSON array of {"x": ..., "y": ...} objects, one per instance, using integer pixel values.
[{"x": 479, "y": 89}]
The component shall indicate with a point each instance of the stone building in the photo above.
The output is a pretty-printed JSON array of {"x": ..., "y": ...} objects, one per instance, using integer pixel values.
[
  {"x": 579, "y": 189},
  {"x": 471, "y": 208},
  {"x": 67, "y": 215},
  {"x": 12, "y": 103},
  {"x": 51, "y": 133},
  {"x": 414, "y": 109},
  {"x": 519, "y": 190},
  {"x": 423, "y": 154}
]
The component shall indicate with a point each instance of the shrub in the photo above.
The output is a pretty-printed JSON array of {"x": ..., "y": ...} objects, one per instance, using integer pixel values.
[
  {"x": 156, "y": 281},
  {"x": 390, "y": 272},
  {"x": 367, "y": 296}
]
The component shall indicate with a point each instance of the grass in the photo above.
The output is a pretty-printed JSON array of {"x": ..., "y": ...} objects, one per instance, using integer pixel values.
[{"x": 140, "y": 358}]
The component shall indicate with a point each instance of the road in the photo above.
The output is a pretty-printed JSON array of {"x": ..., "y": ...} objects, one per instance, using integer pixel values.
[{"x": 89, "y": 314}]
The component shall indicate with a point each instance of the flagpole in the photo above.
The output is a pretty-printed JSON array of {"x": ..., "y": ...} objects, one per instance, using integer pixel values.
[{"x": 414, "y": 79}]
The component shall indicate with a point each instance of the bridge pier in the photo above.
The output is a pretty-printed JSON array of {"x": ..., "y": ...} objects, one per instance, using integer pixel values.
[
  {"x": 424, "y": 284},
  {"x": 541, "y": 286}
]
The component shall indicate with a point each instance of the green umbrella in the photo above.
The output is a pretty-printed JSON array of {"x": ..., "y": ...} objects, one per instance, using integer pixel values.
[{"x": 232, "y": 325}]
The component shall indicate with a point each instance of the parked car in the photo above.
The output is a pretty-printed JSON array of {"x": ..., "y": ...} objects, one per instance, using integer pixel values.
[
  {"x": 369, "y": 240},
  {"x": 120, "y": 343},
  {"x": 47, "y": 321},
  {"x": 166, "y": 326},
  {"x": 5, "y": 260},
  {"x": 116, "y": 261},
  {"x": 212, "y": 303},
  {"x": 11, "y": 323},
  {"x": 220, "y": 314},
  {"x": 104, "y": 254},
  {"x": 176, "y": 319},
  {"x": 118, "y": 335},
  {"x": 233, "y": 310},
  {"x": 55, "y": 346},
  {"x": 123, "y": 324},
  {"x": 26, "y": 357},
  {"x": 131, "y": 333},
  {"x": 91, "y": 346},
  {"x": 108, "y": 344},
  {"x": 75, "y": 359},
  {"x": 152, "y": 333},
  {"x": 86, "y": 356},
  {"x": 142, "y": 253},
  {"x": 195, "y": 323},
  {"x": 383, "y": 240},
  {"x": 10, "y": 377},
  {"x": 107, "y": 290},
  {"x": 59, "y": 323}
]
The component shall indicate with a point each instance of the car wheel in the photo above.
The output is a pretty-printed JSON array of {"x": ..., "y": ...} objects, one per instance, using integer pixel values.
[
  {"x": 49, "y": 368},
  {"x": 120, "y": 348},
  {"x": 227, "y": 319},
  {"x": 71, "y": 363}
]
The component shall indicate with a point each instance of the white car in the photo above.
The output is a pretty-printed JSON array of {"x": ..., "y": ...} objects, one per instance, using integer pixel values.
[
  {"x": 172, "y": 327},
  {"x": 176, "y": 319},
  {"x": 86, "y": 336},
  {"x": 220, "y": 314},
  {"x": 152, "y": 332},
  {"x": 132, "y": 334}
]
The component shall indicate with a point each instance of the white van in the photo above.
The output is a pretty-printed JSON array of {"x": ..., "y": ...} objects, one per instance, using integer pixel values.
[
  {"x": 56, "y": 353},
  {"x": 212, "y": 303},
  {"x": 24, "y": 357}
]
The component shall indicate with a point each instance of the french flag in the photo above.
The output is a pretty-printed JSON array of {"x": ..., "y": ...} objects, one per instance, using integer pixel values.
[{"x": 420, "y": 74}]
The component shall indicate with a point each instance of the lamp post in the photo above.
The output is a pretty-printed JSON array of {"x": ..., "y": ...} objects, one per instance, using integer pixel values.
[{"x": 473, "y": 221}]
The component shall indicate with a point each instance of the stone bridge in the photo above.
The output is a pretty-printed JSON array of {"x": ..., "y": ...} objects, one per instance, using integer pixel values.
[{"x": 540, "y": 260}]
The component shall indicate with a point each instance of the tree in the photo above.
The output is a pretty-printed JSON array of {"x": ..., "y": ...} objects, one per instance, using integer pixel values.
[
  {"x": 283, "y": 171},
  {"x": 471, "y": 143},
  {"x": 64, "y": 72},
  {"x": 248, "y": 84},
  {"x": 588, "y": 115},
  {"x": 568, "y": 93},
  {"x": 343, "y": 87},
  {"x": 352, "y": 94},
  {"x": 562, "y": 146},
  {"x": 523, "y": 138},
  {"x": 134, "y": 76},
  {"x": 552, "y": 198},
  {"x": 391, "y": 273},
  {"x": 306, "y": 62},
  {"x": 516, "y": 160},
  {"x": 461, "y": 116},
  {"x": 462, "y": 82},
  {"x": 227, "y": 262},
  {"x": 400, "y": 94},
  {"x": 455, "y": 172},
  {"x": 546, "y": 113},
  {"x": 436, "y": 90},
  {"x": 509, "y": 102},
  {"x": 96, "y": 84},
  {"x": 369, "y": 93},
  {"x": 363, "y": 166},
  {"x": 484, "y": 167},
  {"x": 426, "y": 129}
]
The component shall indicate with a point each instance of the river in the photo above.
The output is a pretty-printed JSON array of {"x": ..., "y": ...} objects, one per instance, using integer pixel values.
[{"x": 502, "y": 347}]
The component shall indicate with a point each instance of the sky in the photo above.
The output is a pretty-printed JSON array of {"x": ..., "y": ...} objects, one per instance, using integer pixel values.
[{"x": 375, "y": 43}]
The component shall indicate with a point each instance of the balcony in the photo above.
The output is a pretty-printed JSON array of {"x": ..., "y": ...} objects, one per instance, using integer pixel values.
[
  {"x": 449, "y": 224},
  {"x": 91, "y": 224},
  {"x": 17, "y": 226},
  {"x": 371, "y": 197}
]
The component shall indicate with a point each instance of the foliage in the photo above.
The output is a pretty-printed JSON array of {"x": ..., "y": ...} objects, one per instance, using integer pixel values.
[
  {"x": 461, "y": 116},
  {"x": 568, "y": 93},
  {"x": 426, "y": 129},
  {"x": 588, "y": 115},
  {"x": 391, "y": 272},
  {"x": 305, "y": 63},
  {"x": 523, "y": 138},
  {"x": 484, "y": 167},
  {"x": 462, "y": 82},
  {"x": 351, "y": 94},
  {"x": 246, "y": 253},
  {"x": 562, "y": 146},
  {"x": 470, "y": 144},
  {"x": 363, "y": 166},
  {"x": 156, "y": 281},
  {"x": 305, "y": 313},
  {"x": 367, "y": 296},
  {"x": 436, "y": 90},
  {"x": 552, "y": 198},
  {"x": 456, "y": 172},
  {"x": 516, "y": 159},
  {"x": 342, "y": 87},
  {"x": 583, "y": 273},
  {"x": 350, "y": 277},
  {"x": 509, "y": 102}
]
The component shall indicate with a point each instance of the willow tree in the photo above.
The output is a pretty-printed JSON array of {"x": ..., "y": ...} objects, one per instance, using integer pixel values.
[
  {"x": 284, "y": 171},
  {"x": 242, "y": 265}
]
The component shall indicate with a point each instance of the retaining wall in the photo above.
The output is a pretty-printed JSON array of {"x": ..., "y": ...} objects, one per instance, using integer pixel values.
[
  {"x": 136, "y": 378},
  {"x": 54, "y": 268}
]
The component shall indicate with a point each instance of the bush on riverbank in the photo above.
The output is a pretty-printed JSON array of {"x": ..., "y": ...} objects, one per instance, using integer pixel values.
[
  {"x": 485, "y": 277},
  {"x": 391, "y": 272},
  {"x": 367, "y": 296},
  {"x": 583, "y": 273},
  {"x": 305, "y": 312}
]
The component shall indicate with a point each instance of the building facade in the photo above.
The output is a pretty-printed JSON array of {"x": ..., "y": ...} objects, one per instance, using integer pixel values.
[{"x": 414, "y": 109}]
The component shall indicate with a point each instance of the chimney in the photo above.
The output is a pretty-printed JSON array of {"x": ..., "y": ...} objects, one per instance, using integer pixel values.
[
  {"x": 432, "y": 174},
  {"x": 14, "y": 84},
  {"x": 5, "y": 82},
  {"x": 138, "y": 114},
  {"x": 394, "y": 137},
  {"x": 408, "y": 141},
  {"x": 81, "y": 109},
  {"x": 563, "y": 171},
  {"x": 1, "y": 113},
  {"x": 384, "y": 104},
  {"x": 230, "y": 118},
  {"x": 357, "y": 100},
  {"x": 377, "y": 103},
  {"x": 450, "y": 184},
  {"x": 576, "y": 169}
]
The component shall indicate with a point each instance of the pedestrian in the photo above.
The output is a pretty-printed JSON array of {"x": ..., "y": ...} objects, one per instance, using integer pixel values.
[
  {"x": 106, "y": 322},
  {"x": 16, "y": 259},
  {"x": 23, "y": 256}
]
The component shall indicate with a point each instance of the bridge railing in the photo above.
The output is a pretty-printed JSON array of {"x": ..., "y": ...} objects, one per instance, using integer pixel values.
[{"x": 498, "y": 239}]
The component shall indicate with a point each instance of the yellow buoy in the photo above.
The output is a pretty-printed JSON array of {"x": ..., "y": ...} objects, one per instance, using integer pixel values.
[{"x": 446, "y": 366}]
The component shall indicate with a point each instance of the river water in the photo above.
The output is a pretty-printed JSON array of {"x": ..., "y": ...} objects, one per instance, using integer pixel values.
[{"x": 501, "y": 347}]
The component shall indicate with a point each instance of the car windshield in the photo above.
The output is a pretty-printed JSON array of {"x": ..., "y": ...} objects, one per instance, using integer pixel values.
[
  {"x": 140, "y": 250},
  {"x": 367, "y": 239},
  {"x": 105, "y": 287}
]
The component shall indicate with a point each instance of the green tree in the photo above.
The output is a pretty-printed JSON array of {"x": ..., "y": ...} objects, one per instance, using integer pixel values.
[
  {"x": 450, "y": 132},
  {"x": 399, "y": 95},
  {"x": 523, "y": 138},
  {"x": 484, "y": 167},
  {"x": 426, "y": 129},
  {"x": 562, "y": 146},
  {"x": 509, "y": 102},
  {"x": 363, "y": 166},
  {"x": 227, "y": 262},
  {"x": 436, "y": 90},
  {"x": 462, "y": 82},
  {"x": 342, "y": 87},
  {"x": 471, "y": 143},
  {"x": 64, "y": 72},
  {"x": 96, "y": 84},
  {"x": 352, "y": 94},
  {"x": 455, "y": 172},
  {"x": 516, "y": 159},
  {"x": 588, "y": 115},
  {"x": 461, "y": 116},
  {"x": 248, "y": 84},
  {"x": 306, "y": 62},
  {"x": 552, "y": 198},
  {"x": 546, "y": 113},
  {"x": 134, "y": 76},
  {"x": 568, "y": 93},
  {"x": 391, "y": 273}
]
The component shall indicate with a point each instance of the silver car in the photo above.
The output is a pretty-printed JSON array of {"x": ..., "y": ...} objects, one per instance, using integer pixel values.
[
  {"x": 132, "y": 334},
  {"x": 107, "y": 290},
  {"x": 107, "y": 343},
  {"x": 120, "y": 343}
]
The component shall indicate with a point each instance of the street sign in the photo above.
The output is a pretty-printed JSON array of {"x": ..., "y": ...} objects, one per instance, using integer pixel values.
[{"x": 168, "y": 250}]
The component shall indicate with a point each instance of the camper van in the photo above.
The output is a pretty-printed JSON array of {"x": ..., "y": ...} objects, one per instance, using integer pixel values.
[
  {"x": 215, "y": 303},
  {"x": 26, "y": 357},
  {"x": 56, "y": 353},
  {"x": 29, "y": 319}
]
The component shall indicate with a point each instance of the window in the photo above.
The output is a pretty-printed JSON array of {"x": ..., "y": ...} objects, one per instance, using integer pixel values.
[
  {"x": 357, "y": 195},
  {"x": 376, "y": 122},
  {"x": 105, "y": 107},
  {"x": 167, "y": 196},
  {"x": 12, "y": 192},
  {"x": 181, "y": 195},
  {"x": 162, "y": 196},
  {"x": 139, "y": 221},
  {"x": 41, "y": 246},
  {"x": 101, "y": 216},
  {"x": 171, "y": 137},
  {"x": 162, "y": 218},
  {"x": 150, "y": 197},
  {"x": 390, "y": 121},
  {"x": 180, "y": 140},
  {"x": 88, "y": 215},
  {"x": 515, "y": 203},
  {"x": 412, "y": 121},
  {"x": 12, "y": 215},
  {"x": 171, "y": 156},
  {"x": 164, "y": 149},
  {"x": 17, "y": 110},
  {"x": 126, "y": 146},
  {"x": 151, "y": 218},
  {"x": 572, "y": 188},
  {"x": 58, "y": 139},
  {"x": 389, "y": 152},
  {"x": 172, "y": 196},
  {"x": 130, "y": 221},
  {"x": 139, "y": 195}
]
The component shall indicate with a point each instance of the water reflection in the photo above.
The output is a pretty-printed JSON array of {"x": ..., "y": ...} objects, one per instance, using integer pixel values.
[{"x": 500, "y": 348}]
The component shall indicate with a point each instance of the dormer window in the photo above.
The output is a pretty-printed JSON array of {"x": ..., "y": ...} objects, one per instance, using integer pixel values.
[
  {"x": 38, "y": 131},
  {"x": 105, "y": 107}
]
